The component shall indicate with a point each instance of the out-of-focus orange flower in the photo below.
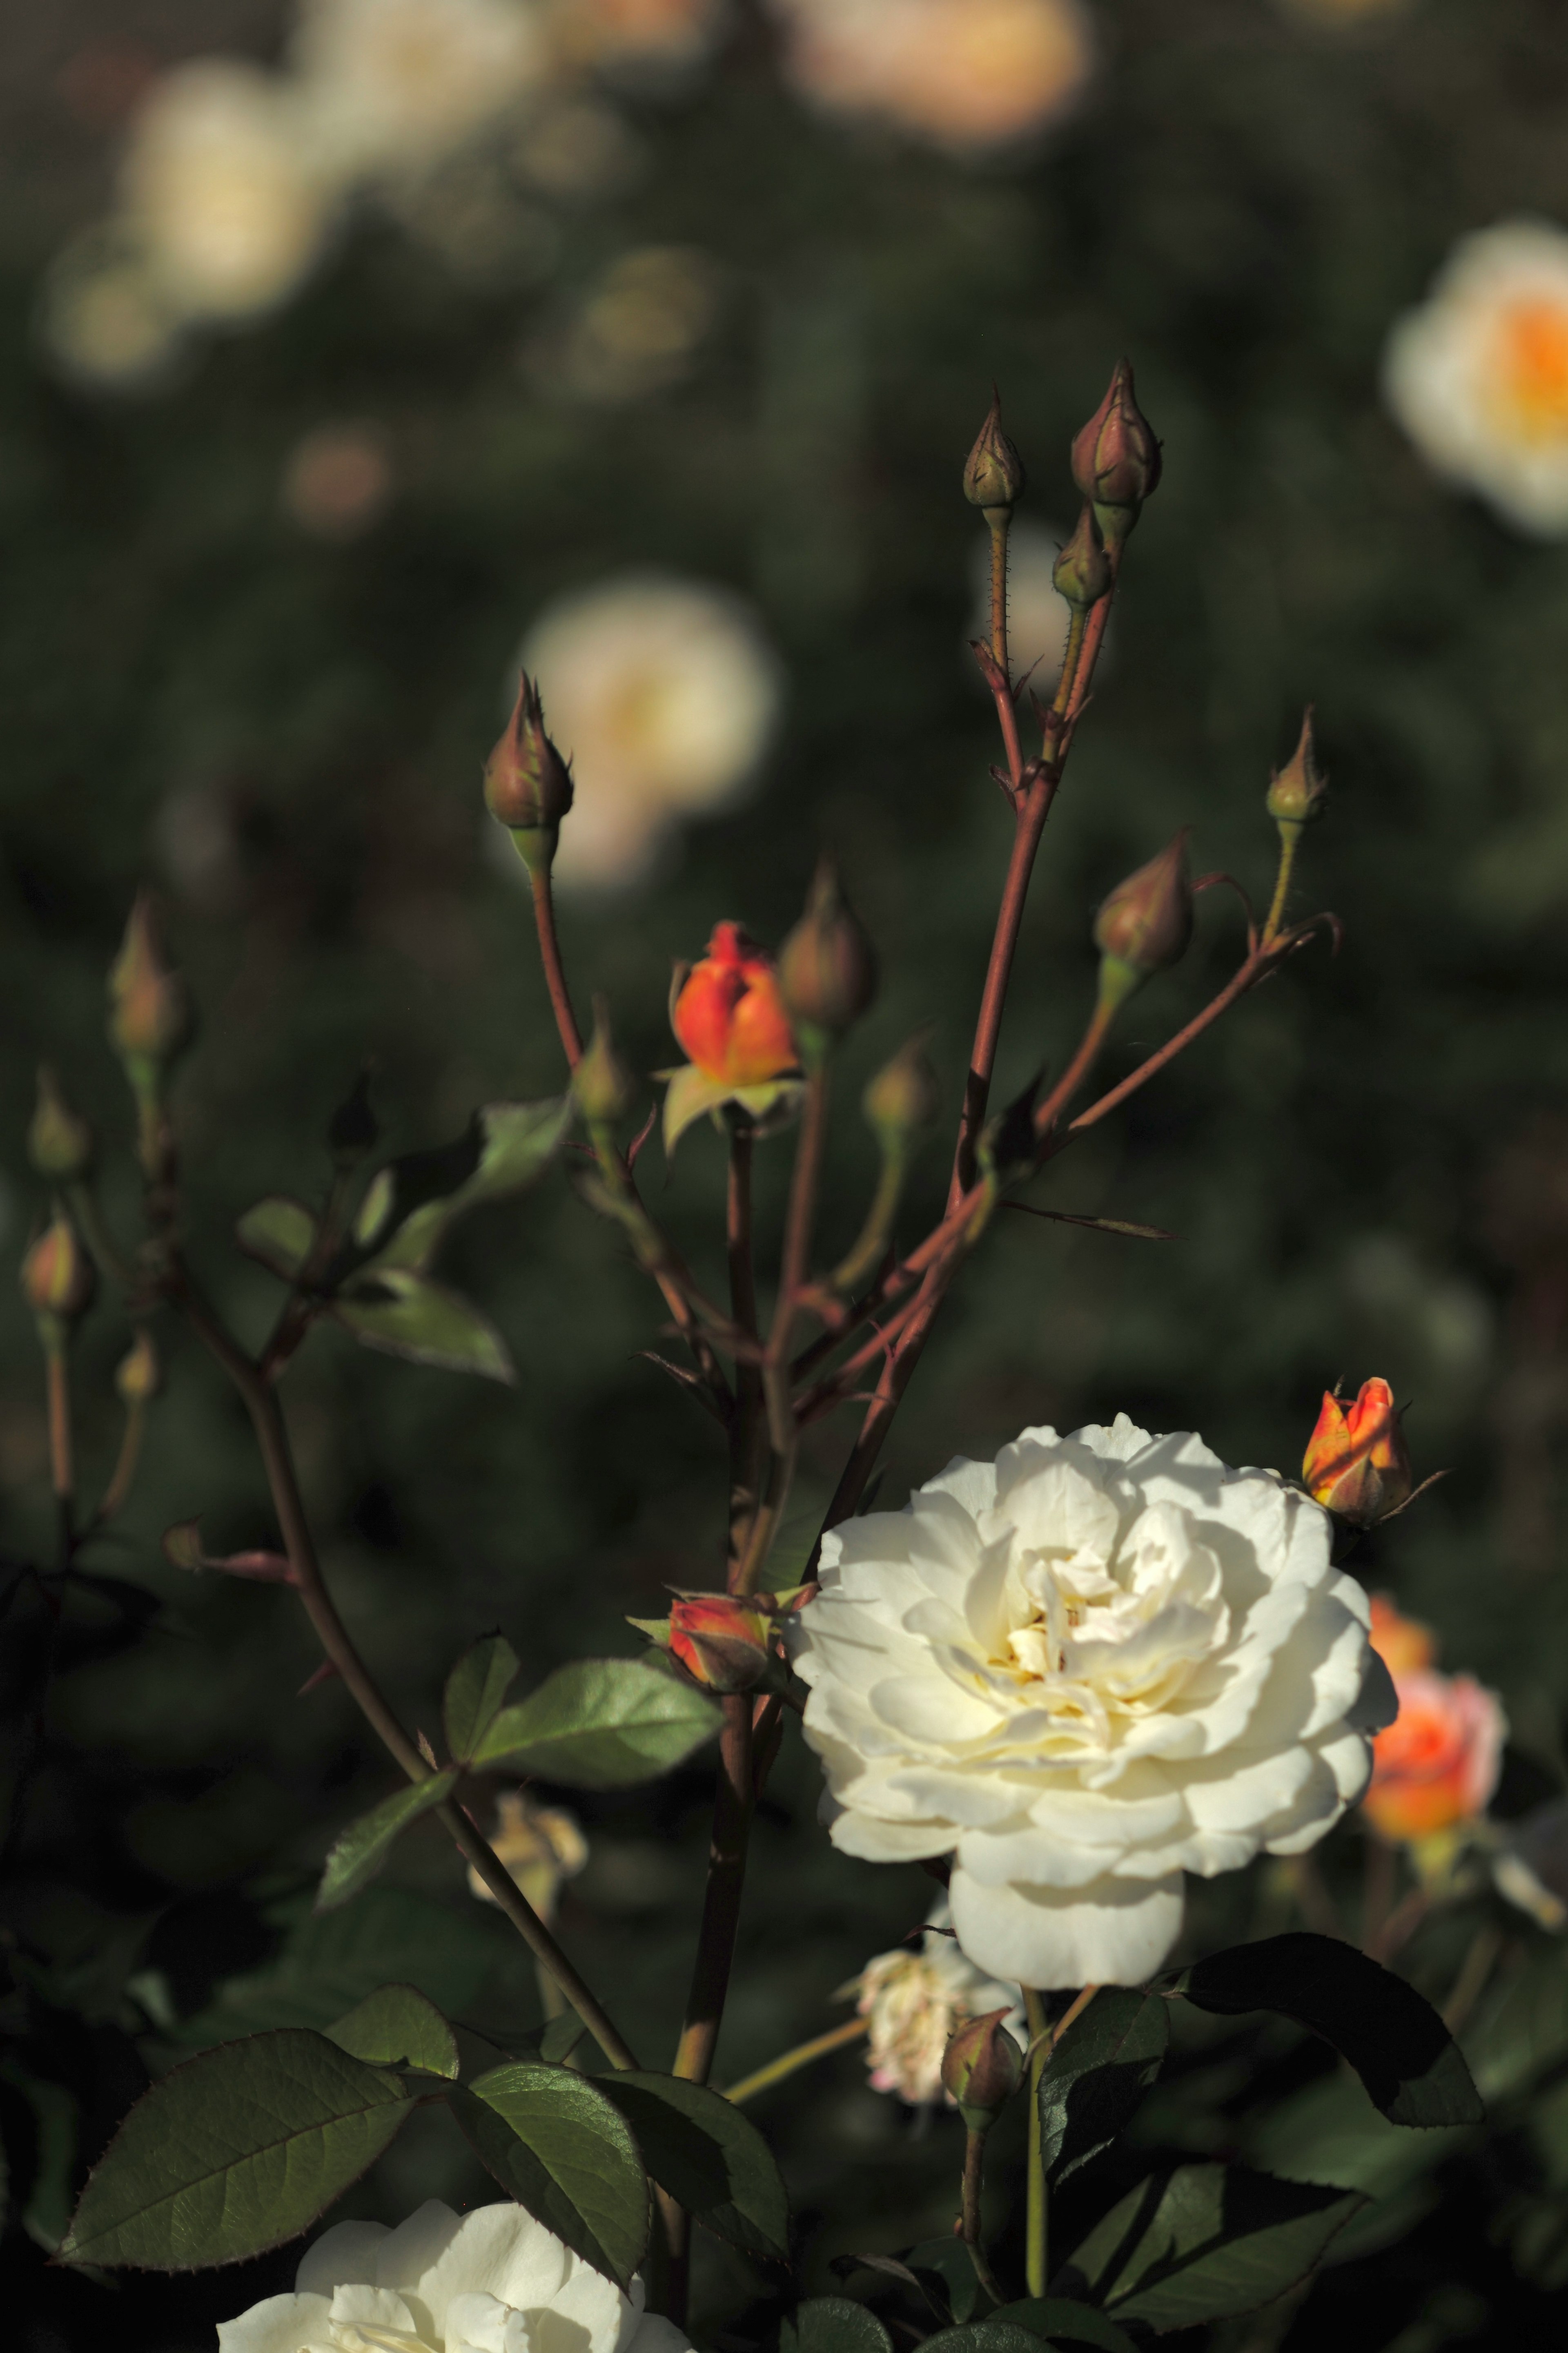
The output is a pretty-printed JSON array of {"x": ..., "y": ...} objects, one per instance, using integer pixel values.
[
  {"x": 721, "y": 1640},
  {"x": 728, "y": 1015},
  {"x": 1438, "y": 1763},
  {"x": 1403, "y": 1643},
  {"x": 1356, "y": 1463}
]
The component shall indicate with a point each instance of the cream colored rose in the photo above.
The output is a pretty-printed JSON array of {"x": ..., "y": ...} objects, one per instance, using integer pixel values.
[
  {"x": 495, "y": 2281},
  {"x": 914, "y": 2000},
  {"x": 399, "y": 83},
  {"x": 1097, "y": 1663}
]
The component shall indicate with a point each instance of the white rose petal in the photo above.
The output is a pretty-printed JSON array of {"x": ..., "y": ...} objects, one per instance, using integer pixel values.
[{"x": 1098, "y": 1663}]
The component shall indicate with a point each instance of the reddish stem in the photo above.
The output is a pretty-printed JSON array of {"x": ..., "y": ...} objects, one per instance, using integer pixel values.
[{"x": 555, "y": 971}]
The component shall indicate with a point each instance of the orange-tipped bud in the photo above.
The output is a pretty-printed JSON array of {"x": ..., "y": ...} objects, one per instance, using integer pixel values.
[
  {"x": 903, "y": 1099},
  {"x": 1296, "y": 792},
  {"x": 981, "y": 2068},
  {"x": 1145, "y": 923},
  {"x": 1116, "y": 459},
  {"x": 528, "y": 785},
  {"x": 827, "y": 966},
  {"x": 59, "y": 1278},
  {"x": 61, "y": 1143},
  {"x": 723, "y": 1639},
  {"x": 149, "y": 1009},
  {"x": 1356, "y": 1463},
  {"x": 728, "y": 1015},
  {"x": 139, "y": 1376},
  {"x": 1082, "y": 573},
  {"x": 604, "y": 1088},
  {"x": 994, "y": 474}
]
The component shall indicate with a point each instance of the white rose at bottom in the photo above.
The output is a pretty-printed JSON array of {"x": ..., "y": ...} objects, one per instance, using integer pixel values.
[
  {"x": 494, "y": 2280},
  {"x": 1082, "y": 1669}
]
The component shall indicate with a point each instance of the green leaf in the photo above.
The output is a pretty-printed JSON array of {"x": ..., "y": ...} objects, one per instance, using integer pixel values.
[
  {"x": 1060, "y": 2322},
  {"x": 993, "y": 2336},
  {"x": 364, "y": 1847},
  {"x": 559, "y": 2147},
  {"x": 397, "y": 2027},
  {"x": 602, "y": 1724},
  {"x": 709, "y": 2157},
  {"x": 475, "y": 1690},
  {"x": 1413, "y": 2069},
  {"x": 833, "y": 2324},
  {"x": 948, "y": 2260},
  {"x": 280, "y": 1231},
  {"x": 407, "y": 1314},
  {"x": 47, "y": 2214},
  {"x": 412, "y": 1201},
  {"x": 1098, "y": 2071},
  {"x": 1203, "y": 2242},
  {"x": 236, "y": 2151}
]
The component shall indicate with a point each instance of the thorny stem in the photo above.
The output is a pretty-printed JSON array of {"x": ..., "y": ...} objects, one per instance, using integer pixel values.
[
  {"x": 1037, "y": 2220},
  {"x": 999, "y": 519},
  {"x": 746, "y": 1419},
  {"x": 1078, "y": 1070},
  {"x": 1290, "y": 841},
  {"x": 62, "y": 1468},
  {"x": 555, "y": 971},
  {"x": 763, "y": 2079},
  {"x": 1028, "y": 826},
  {"x": 722, "y": 1899},
  {"x": 272, "y": 1438},
  {"x": 973, "y": 2168}
]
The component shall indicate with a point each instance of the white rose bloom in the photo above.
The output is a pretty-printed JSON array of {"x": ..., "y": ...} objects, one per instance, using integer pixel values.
[
  {"x": 494, "y": 2282},
  {"x": 224, "y": 190},
  {"x": 1082, "y": 1669},
  {"x": 1478, "y": 375},
  {"x": 395, "y": 83},
  {"x": 914, "y": 2002},
  {"x": 663, "y": 694}
]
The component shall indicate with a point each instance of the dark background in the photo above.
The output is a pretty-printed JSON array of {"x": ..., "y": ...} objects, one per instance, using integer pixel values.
[{"x": 1365, "y": 1166}]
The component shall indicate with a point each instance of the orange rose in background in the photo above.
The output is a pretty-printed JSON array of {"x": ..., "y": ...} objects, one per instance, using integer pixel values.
[
  {"x": 1437, "y": 1764},
  {"x": 729, "y": 1013},
  {"x": 1356, "y": 1463}
]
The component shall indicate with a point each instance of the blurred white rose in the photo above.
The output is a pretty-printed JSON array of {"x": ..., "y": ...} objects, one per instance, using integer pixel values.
[
  {"x": 964, "y": 73},
  {"x": 914, "y": 2002},
  {"x": 663, "y": 694},
  {"x": 395, "y": 84},
  {"x": 637, "y": 32},
  {"x": 540, "y": 1845},
  {"x": 103, "y": 315},
  {"x": 224, "y": 189},
  {"x": 1082, "y": 1669},
  {"x": 1478, "y": 375}
]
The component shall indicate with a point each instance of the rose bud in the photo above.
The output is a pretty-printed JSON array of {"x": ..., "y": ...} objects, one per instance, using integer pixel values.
[
  {"x": 604, "y": 1087},
  {"x": 1437, "y": 1764},
  {"x": 59, "y": 1278},
  {"x": 148, "y": 1009},
  {"x": 994, "y": 474},
  {"x": 60, "y": 1142},
  {"x": 1356, "y": 1463},
  {"x": 1116, "y": 459},
  {"x": 981, "y": 2068},
  {"x": 903, "y": 1099},
  {"x": 1082, "y": 573},
  {"x": 528, "y": 785},
  {"x": 728, "y": 1015},
  {"x": 1145, "y": 923},
  {"x": 827, "y": 966},
  {"x": 724, "y": 1642},
  {"x": 139, "y": 1375},
  {"x": 1296, "y": 792}
]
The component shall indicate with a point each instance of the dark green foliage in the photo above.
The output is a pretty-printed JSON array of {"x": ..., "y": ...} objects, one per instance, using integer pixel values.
[
  {"x": 558, "y": 2146},
  {"x": 1097, "y": 2072},
  {"x": 709, "y": 2156}
]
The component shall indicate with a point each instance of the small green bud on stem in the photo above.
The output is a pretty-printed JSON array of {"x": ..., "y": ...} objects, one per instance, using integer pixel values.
[
  {"x": 139, "y": 1376},
  {"x": 605, "y": 1088},
  {"x": 1082, "y": 574},
  {"x": 60, "y": 1142},
  {"x": 981, "y": 2069},
  {"x": 1116, "y": 459},
  {"x": 59, "y": 1278},
  {"x": 1299, "y": 791},
  {"x": 827, "y": 966},
  {"x": 1145, "y": 924},
  {"x": 528, "y": 785},
  {"x": 994, "y": 474},
  {"x": 904, "y": 1099},
  {"x": 149, "y": 1009}
]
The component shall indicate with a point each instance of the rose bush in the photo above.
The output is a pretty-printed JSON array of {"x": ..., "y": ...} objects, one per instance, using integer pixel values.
[
  {"x": 493, "y": 2282},
  {"x": 1098, "y": 1663}
]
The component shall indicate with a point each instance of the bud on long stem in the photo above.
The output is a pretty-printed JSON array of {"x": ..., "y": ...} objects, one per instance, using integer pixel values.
[
  {"x": 150, "y": 1023},
  {"x": 1116, "y": 459},
  {"x": 528, "y": 785},
  {"x": 1146, "y": 924},
  {"x": 61, "y": 1143},
  {"x": 1297, "y": 796}
]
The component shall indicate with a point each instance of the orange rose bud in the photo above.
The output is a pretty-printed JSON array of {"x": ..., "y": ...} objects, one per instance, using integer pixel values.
[
  {"x": 59, "y": 1278},
  {"x": 1145, "y": 923},
  {"x": 721, "y": 1641},
  {"x": 1356, "y": 1463},
  {"x": 1116, "y": 459},
  {"x": 148, "y": 1009},
  {"x": 729, "y": 1013},
  {"x": 994, "y": 474},
  {"x": 980, "y": 2070},
  {"x": 528, "y": 785},
  {"x": 1437, "y": 1764}
]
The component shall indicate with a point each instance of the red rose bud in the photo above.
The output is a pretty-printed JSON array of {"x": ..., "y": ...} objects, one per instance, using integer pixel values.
[
  {"x": 724, "y": 1641},
  {"x": 61, "y": 1143},
  {"x": 728, "y": 1015},
  {"x": 1082, "y": 573},
  {"x": 1145, "y": 923},
  {"x": 148, "y": 1009},
  {"x": 827, "y": 966},
  {"x": 1116, "y": 459},
  {"x": 1356, "y": 1463},
  {"x": 139, "y": 1376},
  {"x": 993, "y": 475},
  {"x": 903, "y": 1099},
  {"x": 604, "y": 1087},
  {"x": 981, "y": 2068},
  {"x": 528, "y": 785},
  {"x": 59, "y": 1278},
  {"x": 1296, "y": 792}
]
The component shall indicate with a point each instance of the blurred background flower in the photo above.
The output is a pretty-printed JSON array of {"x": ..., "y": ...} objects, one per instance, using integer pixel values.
[
  {"x": 1436, "y": 1766},
  {"x": 394, "y": 84},
  {"x": 965, "y": 73},
  {"x": 540, "y": 1845}
]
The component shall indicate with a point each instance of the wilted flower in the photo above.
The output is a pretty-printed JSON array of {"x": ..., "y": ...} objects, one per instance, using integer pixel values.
[
  {"x": 1356, "y": 1462},
  {"x": 1437, "y": 1764},
  {"x": 224, "y": 189},
  {"x": 915, "y": 2002},
  {"x": 1097, "y": 1663},
  {"x": 663, "y": 693},
  {"x": 398, "y": 83},
  {"x": 540, "y": 1845},
  {"x": 441, "y": 2284},
  {"x": 1478, "y": 375},
  {"x": 729, "y": 1013},
  {"x": 964, "y": 73}
]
